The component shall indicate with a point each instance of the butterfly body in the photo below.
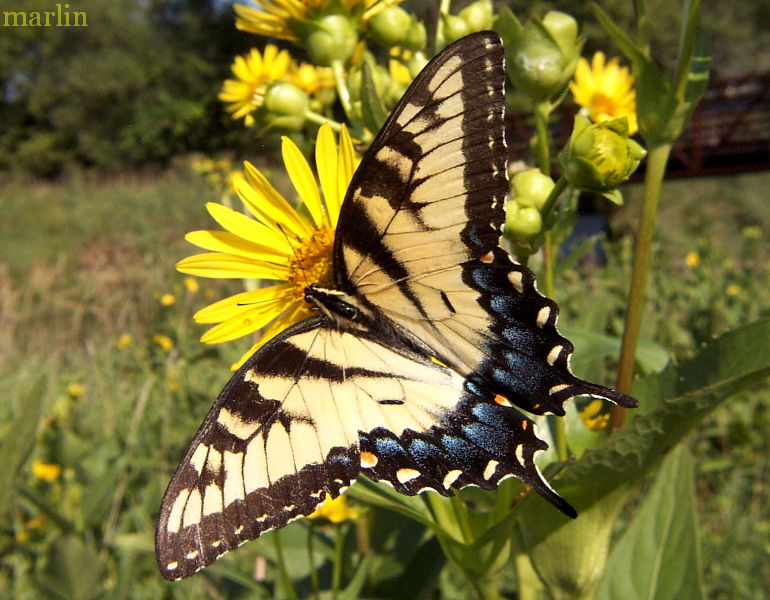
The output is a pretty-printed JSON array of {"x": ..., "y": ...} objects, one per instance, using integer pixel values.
[{"x": 414, "y": 368}]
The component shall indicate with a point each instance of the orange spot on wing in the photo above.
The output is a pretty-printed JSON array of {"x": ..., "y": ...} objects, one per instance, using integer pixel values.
[
  {"x": 488, "y": 257},
  {"x": 502, "y": 400},
  {"x": 368, "y": 460}
]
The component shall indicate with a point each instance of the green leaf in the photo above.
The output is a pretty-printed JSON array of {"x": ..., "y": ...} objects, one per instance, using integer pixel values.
[
  {"x": 627, "y": 46},
  {"x": 672, "y": 402},
  {"x": 373, "y": 110},
  {"x": 73, "y": 572},
  {"x": 19, "y": 437},
  {"x": 659, "y": 555},
  {"x": 370, "y": 492},
  {"x": 591, "y": 346}
]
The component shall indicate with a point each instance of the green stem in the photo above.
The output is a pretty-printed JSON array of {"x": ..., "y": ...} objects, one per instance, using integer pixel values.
[
  {"x": 653, "y": 180},
  {"x": 338, "y": 70},
  {"x": 443, "y": 9},
  {"x": 543, "y": 136},
  {"x": 642, "y": 26},
  {"x": 487, "y": 588},
  {"x": 283, "y": 574},
  {"x": 444, "y": 515},
  {"x": 339, "y": 546},
  {"x": 319, "y": 119},
  {"x": 553, "y": 197},
  {"x": 313, "y": 571},
  {"x": 686, "y": 46}
]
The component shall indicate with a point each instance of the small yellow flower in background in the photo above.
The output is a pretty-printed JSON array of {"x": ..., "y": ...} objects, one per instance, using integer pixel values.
[
  {"x": 163, "y": 341},
  {"x": 593, "y": 417},
  {"x": 125, "y": 341},
  {"x": 272, "y": 18},
  {"x": 75, "y": 390},
  {"x": 692, "y": 259},
  {"x": 336, "y": 510},
  {"x": 733, "y": 290},
  {"x": 253, "y": 71},
  {"x": 313, "y": 79},
  {"x": 397, "y": 65},
  {"x": 36, "y": 522},
  {"x": 191, "y": 284},
  {"x": 45, "y": 471},
  {"x": 605, "y": 90},
  {"x": 277, "y": 244},
  {"x": 167, "y": 300}
]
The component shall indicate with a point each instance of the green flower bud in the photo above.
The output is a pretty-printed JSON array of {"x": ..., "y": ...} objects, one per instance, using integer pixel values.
[
  {"x": 532, "y": 184},
  {"x": 523, "y": 222},
  {"x": 542, "y": 55},
  {"x": 478, "y": 16},
  {"x": 390, "y": 26},
  {"x": 416, "y": 37},
  {"x": 454, "y": 28},
  {"x": 334, "y": 38},
  {"x": 284, "y": 107},
  {"x": 600, "y": 156}
]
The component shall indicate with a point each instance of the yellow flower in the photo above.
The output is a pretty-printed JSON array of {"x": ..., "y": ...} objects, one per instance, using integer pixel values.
[
  {"x": 167, "y": 300},
  {"x": 733, "y": 290},
  {"x": 336, "y": 510},
  {"x": 397, "y": 65},
  {"x": 277, "y": 244},
  {"x": 692, "y": 259},
  {"x": 593, "y": 417},
  {"x": 191, "y": 284},
  {"x": 75, "y": 390},
  {"x": 605, "y": 90},
  {"x": 253, "y": 71},
  {"x": 45, "y": 471},
  {"x": 163, "y": 341},
  {"x": 272, "y": 18},
  {"x": 125, "y": 341},
  {"x": 313, "y": 79}
]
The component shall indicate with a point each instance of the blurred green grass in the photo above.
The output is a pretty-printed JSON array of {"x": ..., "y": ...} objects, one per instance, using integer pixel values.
[{"x": 84, "y": 263}]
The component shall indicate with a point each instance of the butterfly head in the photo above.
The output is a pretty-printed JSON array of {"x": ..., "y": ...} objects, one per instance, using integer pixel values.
[{"x": 336, "y": 305}]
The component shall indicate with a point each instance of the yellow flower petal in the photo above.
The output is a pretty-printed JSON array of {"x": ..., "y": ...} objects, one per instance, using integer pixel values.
[
  {"x": 326, "y": 163},
  {"x": 229, "y": 243},
  {"x": 243, "y": 324},
  {"x": 345, "y": 168},
  {"x": 247, "y": 228},
  {"x": 293, "y": 315},
  {"x": 234, "y": 305},
  {"x": 228, "y": 266},
  {"x": 302, "y": 178},
  {"x": 267, "y": 205}
]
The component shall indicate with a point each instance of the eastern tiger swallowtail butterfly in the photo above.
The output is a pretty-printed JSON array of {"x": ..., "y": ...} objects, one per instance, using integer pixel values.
[{"x": 411, "y": 369}]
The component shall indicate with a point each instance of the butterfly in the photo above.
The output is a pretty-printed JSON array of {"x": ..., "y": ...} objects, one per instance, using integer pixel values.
[{"x": 416, "y": 365}]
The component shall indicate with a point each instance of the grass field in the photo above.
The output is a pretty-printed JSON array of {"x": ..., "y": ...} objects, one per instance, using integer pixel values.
[{"x": 105, "y": 380}]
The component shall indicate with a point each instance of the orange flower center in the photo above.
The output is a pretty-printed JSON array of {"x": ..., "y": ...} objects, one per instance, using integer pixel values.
[
  {"x": 603, "y": 105},
  {"x": 312, "y": 262}
]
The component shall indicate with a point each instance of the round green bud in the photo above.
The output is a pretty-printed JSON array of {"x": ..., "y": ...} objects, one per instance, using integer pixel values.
[
  {"x": 532, "y": 184},
  {"x": 523, "y": 220},
  {"x": 335, "y": 39},
  {"x": 563, "y": 28},
  {"x": 455, "y": 28},
  {"x": 285, "y": 106},
  {"x": 478, "y": 16},
  {"x": 416, "y": 37},
  {"x": 390, "y": 26},
  {"x": 600, "y": 156}
]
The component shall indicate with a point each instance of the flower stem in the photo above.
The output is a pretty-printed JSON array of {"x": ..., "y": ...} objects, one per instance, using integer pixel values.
[
  {"x": 543, "y": 137},
  {"x": 653, "y": 180},
  {"x": 291, "y": 593},
  {"x": 339, "y": 546},
  {"x": 686, "y": 46},
  {"x": 338, "y": 70},
  {"x": 313, "y": 570},
  {"x": 319, "y": 119}
]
